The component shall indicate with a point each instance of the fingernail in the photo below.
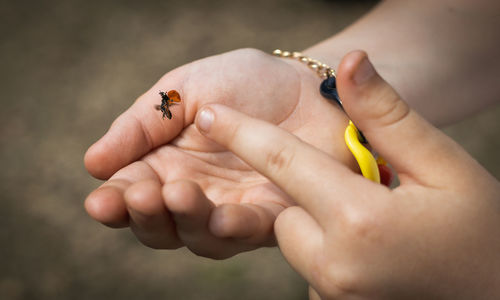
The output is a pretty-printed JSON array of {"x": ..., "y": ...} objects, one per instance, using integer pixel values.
[
  {"x": 205, "y": 120},
  {"x": 363, "y": 72}
]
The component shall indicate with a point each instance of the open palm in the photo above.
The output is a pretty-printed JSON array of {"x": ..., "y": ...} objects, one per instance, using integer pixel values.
[{"x": 176, "y": 188}]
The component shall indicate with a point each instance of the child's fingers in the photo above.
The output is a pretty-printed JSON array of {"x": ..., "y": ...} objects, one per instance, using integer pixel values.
[
  {"x": 300, "y": 239},
  {"x": 149, "y": 219},
  {"x": 106, "y": 204},
  {"x": 308, "y": 175},
  {"x": 191, "y": 211}
]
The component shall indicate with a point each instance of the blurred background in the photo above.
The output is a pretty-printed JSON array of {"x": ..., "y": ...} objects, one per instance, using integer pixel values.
[{"x": 68, "y": 69}]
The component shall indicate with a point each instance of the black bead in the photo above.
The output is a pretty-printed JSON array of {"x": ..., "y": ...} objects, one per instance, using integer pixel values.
[
  {"x": 331, "y": 82},
  {"x": 328, "y": 89},
  {"x": 362, "y": 138}
]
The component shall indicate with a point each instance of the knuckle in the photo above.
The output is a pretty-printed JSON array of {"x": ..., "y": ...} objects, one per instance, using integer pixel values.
[
  {"x": 359, "y": 225},
  {"x": 388, "y": 108},
  {"x": 279, "y": 158},
  {"x": 335, "y": 283},
  {"x": 233, "y": 134},
  {"x": 146, "y": 135}
]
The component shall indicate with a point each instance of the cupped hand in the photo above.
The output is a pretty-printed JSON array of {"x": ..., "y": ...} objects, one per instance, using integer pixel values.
[
  {"x": 436, "y": 236},
  {"x": 155, "y": 168}
]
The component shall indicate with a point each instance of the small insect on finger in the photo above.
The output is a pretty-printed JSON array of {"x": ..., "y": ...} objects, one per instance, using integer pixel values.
[{"x": 168, "y": 99}]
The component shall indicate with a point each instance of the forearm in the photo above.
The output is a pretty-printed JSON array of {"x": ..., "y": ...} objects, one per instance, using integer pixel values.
[{"x": 441, "y": 57}]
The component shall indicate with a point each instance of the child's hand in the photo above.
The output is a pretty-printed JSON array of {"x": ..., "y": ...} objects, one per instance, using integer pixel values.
[
  {"x": 146, "y": 160},
  {"x": 434, "y": 237}
]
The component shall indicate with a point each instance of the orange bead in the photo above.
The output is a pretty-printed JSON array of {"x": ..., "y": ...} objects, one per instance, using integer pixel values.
[{"x": 386, "y": 175}]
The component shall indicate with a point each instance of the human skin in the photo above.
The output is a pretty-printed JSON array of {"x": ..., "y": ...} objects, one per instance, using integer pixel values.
[
  {"x": 433, "y": 237},
  {"x": 141, "y": 152},
  {"x": 240, "y": 206}
]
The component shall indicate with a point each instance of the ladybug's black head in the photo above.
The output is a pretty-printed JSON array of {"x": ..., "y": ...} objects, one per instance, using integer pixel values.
[{"x": 164, "y": 96}]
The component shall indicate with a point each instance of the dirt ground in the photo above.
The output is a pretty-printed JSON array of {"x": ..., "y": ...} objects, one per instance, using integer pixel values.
[{"x": 68, "y": 68}]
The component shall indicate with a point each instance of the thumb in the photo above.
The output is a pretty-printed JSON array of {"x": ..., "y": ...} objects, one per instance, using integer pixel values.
[{"x": 399, "y": 134}]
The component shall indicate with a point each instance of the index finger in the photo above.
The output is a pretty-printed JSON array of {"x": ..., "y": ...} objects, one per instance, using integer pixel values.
[{"x": 308, "y": 175}]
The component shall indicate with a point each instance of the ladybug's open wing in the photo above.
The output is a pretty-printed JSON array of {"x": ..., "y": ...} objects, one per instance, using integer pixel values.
[{"x": 174, "y": 96}]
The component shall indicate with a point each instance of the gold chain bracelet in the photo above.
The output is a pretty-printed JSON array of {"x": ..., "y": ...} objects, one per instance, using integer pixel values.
[
  {"x": 323, "y": 70},
  {"x": 328, "y": 87}
]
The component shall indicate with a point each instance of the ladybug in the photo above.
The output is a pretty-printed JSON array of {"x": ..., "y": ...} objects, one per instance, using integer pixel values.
[{"x": 167, "y": 99}]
